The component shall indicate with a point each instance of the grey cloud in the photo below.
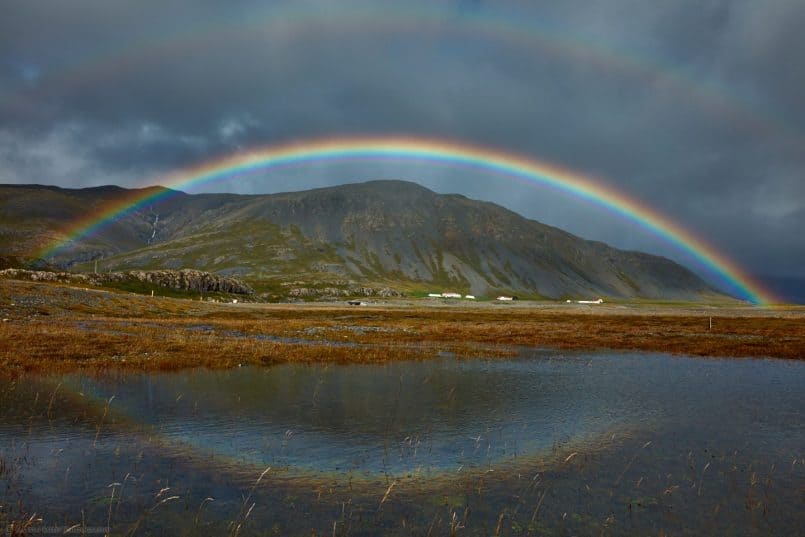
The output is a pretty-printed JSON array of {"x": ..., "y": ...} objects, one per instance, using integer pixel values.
[{"x": 690, "y": 106}]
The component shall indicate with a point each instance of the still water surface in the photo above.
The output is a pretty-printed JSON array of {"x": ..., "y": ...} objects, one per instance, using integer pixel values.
[{"x": 684, "y": 442}]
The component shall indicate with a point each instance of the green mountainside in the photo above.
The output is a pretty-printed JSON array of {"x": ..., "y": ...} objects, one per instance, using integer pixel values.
[{"x": 392, "y": 234}]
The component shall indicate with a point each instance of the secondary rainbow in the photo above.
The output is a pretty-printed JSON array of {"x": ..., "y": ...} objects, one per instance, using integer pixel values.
[
  {"x": 432, "y": 151},
  {"x": 311, "y": 24}
]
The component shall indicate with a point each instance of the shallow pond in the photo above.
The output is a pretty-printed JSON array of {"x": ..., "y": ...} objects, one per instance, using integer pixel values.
[{"x": 546, "y": 443}]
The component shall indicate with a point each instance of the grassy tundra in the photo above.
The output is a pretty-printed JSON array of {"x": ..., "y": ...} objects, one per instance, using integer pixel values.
[{"x": 51, "y": 327}]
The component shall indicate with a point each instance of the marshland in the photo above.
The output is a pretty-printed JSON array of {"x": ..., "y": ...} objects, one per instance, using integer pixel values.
[{"x": 124, "y": 414}]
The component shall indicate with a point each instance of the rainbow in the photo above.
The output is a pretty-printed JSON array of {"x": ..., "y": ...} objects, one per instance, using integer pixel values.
[{"x": 439, "y": 152}]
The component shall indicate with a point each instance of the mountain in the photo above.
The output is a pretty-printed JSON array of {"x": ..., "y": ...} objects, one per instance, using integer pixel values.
[{"x": 379, "y": 233}]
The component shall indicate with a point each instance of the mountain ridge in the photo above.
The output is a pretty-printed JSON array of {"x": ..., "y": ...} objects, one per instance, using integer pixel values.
[{"x": 384, "y": 232}]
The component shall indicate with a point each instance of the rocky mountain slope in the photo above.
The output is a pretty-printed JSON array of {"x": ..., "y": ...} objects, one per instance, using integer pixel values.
[{"x": 377, "y": 234}]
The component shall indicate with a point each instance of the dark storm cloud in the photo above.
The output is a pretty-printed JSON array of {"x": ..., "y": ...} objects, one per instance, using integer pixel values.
[{"x": 694, "y": 107}]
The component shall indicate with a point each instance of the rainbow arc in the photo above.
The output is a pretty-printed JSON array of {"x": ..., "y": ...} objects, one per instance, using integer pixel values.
[{"x": 529, "y": 170}]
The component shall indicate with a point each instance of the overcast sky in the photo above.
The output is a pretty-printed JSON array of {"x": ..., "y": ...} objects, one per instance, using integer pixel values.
[{"x": 694, "y": 107}]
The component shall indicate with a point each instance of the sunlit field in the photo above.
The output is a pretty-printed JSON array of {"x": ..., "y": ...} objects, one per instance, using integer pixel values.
[{"x": 59, "y": 328}]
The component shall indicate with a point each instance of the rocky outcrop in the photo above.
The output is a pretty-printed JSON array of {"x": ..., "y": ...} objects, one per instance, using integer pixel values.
[
  {"x": 327, "y": 292},
  {"x": 47, "y": 276},
  {"x": 184, "y": 280}
]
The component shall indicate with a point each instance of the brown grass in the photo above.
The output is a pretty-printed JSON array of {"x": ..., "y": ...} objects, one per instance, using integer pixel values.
[
  {"x": 53, "y": 327},
  {"x": 42, "y": 347}
]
